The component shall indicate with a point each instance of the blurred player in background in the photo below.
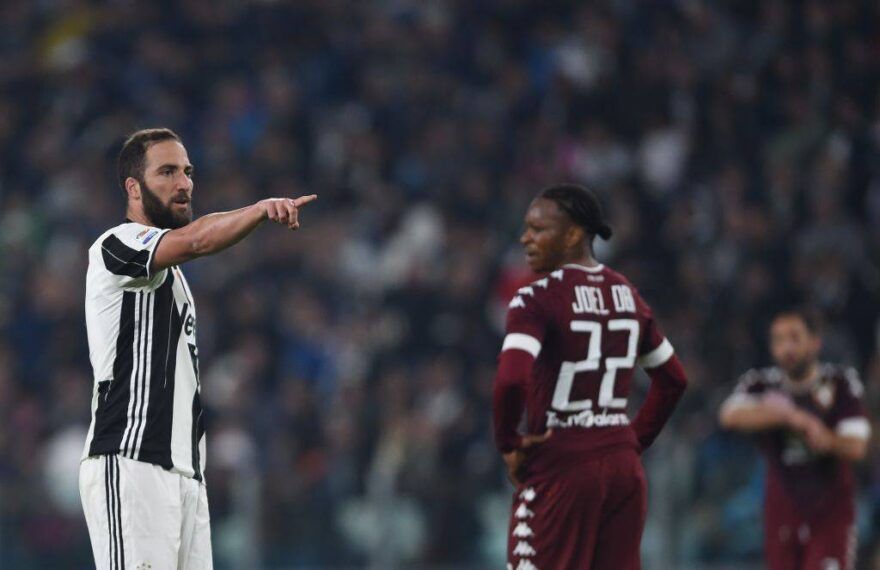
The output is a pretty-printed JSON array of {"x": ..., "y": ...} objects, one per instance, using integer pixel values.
[
  {"x": 142, "y": 475},
  {"x": 574, "y": 338},
  {"x": 811, "y": 425}
]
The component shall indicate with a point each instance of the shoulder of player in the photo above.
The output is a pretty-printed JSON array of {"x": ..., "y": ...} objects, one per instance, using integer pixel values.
[
  {"x": 842, "y": 375},
  {"x": 540, "y": 290},
  {"x": 129, "y": 233}
]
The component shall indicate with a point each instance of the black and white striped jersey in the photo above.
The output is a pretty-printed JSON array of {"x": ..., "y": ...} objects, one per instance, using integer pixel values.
[{"x": 142, "y": 344}]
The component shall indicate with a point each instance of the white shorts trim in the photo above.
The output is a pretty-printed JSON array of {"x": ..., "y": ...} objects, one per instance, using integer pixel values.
[{"x": 522, "y": 341}]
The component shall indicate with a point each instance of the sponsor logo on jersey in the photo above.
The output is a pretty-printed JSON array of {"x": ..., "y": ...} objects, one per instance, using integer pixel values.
[
  {"x": 586, "y": 419},
  {"x": 149, "y": 236},
  {"x": 523, "y": 548}
]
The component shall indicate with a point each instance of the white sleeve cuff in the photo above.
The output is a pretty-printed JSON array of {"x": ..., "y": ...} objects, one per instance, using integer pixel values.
[
  {"x": 657, "y": 357},
  {"x": 858, "y": 428},
  {"x": 522, "y": 341}
]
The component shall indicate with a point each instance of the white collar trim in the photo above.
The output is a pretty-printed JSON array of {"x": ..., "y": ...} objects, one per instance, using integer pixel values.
[{"x": 594, "y": 269}]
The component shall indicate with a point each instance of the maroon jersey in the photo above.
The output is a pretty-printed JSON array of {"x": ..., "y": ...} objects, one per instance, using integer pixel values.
[
  {"x": 800, "y": 481},
  {"x": 587, "y": 328}
]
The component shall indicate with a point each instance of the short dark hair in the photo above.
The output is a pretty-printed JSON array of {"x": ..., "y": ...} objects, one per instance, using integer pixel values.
[
  {"x": 132, "y": 157},
  {"x": 581, "y": 205},
  {"x": 810, "y": 317}
]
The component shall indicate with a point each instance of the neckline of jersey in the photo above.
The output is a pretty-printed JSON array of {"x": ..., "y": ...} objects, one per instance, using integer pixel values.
[{"x": 595, "y": 269}]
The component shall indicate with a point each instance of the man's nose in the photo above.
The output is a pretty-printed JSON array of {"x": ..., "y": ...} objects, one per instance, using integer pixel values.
[{"x": 183, "y": 182}]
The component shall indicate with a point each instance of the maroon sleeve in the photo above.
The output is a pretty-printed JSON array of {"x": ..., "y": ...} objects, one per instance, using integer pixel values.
[
  {"x": 528, "y": 318},
  {"x": 668, "y": 383},
  {"x": 668, "y": 379},
  {"x": 850, "y": 418},
  {"x": 509, "y": 396}
]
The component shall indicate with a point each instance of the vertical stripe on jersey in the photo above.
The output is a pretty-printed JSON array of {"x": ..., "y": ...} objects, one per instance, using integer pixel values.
[
  {"x": 146, "y": 375},
  {"x": 135, "y": 374},
  {"x": 155, "y": 446},
  {"x": 198, "y": 430},
  {"x": 138, "y": 377},
  {"x": 114, "y": 394}
]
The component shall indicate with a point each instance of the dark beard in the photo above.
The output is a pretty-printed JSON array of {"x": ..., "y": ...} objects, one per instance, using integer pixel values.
[
  {"x": 799, "y": 371},
  {"x": 160, "y": 215}
]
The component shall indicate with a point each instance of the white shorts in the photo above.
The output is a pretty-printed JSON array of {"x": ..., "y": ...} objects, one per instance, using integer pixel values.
[{"x": 141, "y": 516}]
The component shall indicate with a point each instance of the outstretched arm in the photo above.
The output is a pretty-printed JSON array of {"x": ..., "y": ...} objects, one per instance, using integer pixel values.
[{"x": 216, "y": 232}]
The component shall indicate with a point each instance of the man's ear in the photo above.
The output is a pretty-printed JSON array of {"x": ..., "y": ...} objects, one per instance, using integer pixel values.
[
  {"x": 133, "y": 188},
  {"x": 574, "y": 235}
]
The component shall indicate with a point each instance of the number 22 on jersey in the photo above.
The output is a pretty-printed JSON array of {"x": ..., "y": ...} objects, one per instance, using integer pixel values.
[{"x": 564, "y": 383}]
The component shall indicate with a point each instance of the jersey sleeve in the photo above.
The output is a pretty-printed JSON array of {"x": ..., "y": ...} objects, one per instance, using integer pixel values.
[
  {"x": 850, "y": 416},
  {"x": 528, "y": 318},
  {"x": 749, "y": 389},
  {"x": 127, "y": 252},
  {"x": 655, "y": 350}
]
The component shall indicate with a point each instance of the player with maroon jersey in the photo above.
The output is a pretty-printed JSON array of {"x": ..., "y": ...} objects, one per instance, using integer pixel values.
[
  {"x": 573, "y": 340},
  {"x": 811, "y": 426}
]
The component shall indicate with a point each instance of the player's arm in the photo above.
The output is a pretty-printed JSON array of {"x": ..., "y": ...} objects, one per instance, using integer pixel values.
[
  {"x": 751, "y": 413},
  {"x": 509, "y": 392},
  {"x": 668, "y": 380},
  {"x": 527, "y": 321},
  {"x": 848, "y": 437},
  {"x": 848, "y": 441},
  {"x": 216, "y": 232},
  {"x": 668, "y": 383},
  {"x": 848, "y": 448},
  {"x": 509, "y": 399}
]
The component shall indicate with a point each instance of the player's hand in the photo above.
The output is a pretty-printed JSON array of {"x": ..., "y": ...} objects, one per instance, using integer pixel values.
[
  {"x": 515, "y": 459},
  {"x": 818, "y": 437},
  {"x": 286, "y": 210}
]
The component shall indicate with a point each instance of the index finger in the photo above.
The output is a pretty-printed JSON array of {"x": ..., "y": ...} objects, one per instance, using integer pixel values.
[{"x": 303, "y": 200}]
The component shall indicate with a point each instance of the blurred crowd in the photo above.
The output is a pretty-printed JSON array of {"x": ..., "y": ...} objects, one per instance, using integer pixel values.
[{"x": 347, "y": 368}]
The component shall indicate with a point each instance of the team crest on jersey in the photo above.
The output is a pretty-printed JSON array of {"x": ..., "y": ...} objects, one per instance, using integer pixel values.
[{"x": 824, "y": 395}]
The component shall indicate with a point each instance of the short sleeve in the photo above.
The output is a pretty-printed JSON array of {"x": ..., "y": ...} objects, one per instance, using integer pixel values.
[
  {"x": 749, "y": 389},
  {"x": 849, "y": 413},
  {"x": 127, "y": 252},
  {"x": 528, "y": 318},
  {"x": 654, "y": 348}
]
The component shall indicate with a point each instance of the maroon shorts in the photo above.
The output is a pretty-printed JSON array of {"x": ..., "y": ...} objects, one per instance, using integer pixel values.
[
  {"x": 588, "y": 515},
  {"x": 826, "y": 541}
]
